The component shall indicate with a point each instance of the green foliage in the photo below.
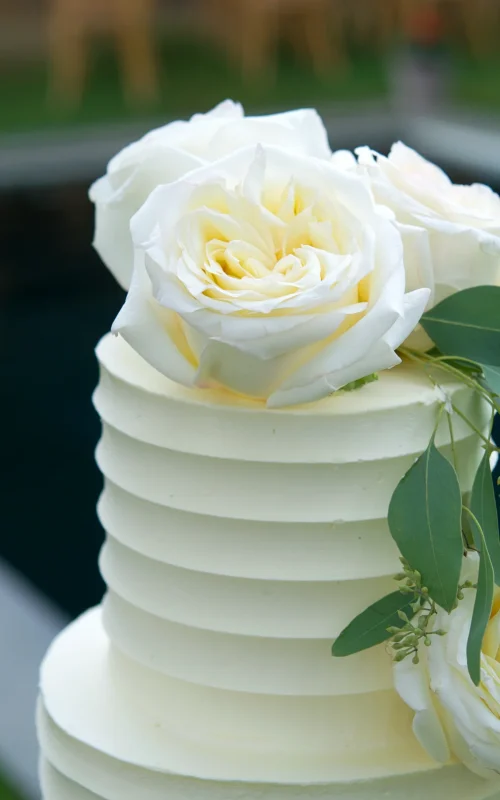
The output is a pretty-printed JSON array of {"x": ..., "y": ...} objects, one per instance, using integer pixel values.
[
  {"x": 425, "y": 521},
  {"x": 484, "y": 510},
  {"x": 351, "y": 387},
  {"x": 405, "y": 617},
  {"x": 467, "y": 325},
  {"x": 406, "y": 642},
  {"x": 195, "y": 74},
  {"x": 425, "y": 512},
  {"x": 371, "y": 626},
  {"x": 482, "y": 608},
  {"x": 492, "y": 379}
]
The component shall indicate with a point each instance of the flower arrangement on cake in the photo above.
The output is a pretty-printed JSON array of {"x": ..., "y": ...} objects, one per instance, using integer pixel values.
[
  {"x": 257, "y": 260},
  {"x": 280, "y": 277}
]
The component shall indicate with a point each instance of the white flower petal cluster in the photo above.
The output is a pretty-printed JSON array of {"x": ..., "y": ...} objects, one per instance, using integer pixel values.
[
  {"x": 451, "y": 233},
  {"x": 270, "y": 273},
  {"x": 166, "y": 154},
  {"x": 452, "y": 715},
  {"x": 239, "y": 239}
]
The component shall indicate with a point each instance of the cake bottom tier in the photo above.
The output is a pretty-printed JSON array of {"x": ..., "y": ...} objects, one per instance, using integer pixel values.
[
  {"x": 56, "y": 786},
  {"x": 94, "y": 743}
]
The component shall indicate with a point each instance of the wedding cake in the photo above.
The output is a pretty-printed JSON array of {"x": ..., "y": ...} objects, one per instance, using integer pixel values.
[{"x": 257, "y": 420}]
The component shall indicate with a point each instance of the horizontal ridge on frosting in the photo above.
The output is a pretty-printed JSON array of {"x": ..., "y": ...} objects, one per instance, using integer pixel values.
[
  {"x": 123, "y": 751},
  {"x": 135, "y": 399},
  {"x": 249, "y": 607},
  {"x": 136, "y": 714},
  {"x": 249, "y": 664},
  {"x": 262, "y": 491},
  {"x": 248, "y": 549},
  {"x": 56, "y": 786}
]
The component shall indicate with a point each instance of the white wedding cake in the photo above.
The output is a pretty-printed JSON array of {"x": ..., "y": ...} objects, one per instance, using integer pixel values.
[
  {"x": 242, "y": 536},
  {"x": 240, "y": 541}
]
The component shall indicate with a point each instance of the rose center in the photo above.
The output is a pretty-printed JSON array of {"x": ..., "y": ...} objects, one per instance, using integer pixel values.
[{"x": 288, "y": 242}]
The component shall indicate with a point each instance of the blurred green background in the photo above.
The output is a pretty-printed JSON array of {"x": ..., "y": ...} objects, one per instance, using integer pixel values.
[
  {"x": 66, "y": 62},
  {"x": 194, "y": 75}
]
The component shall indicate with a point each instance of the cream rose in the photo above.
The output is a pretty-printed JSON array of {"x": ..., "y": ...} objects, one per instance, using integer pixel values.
[
  {"x": 269, "y": 273},
  {"x": 458, "y": 226},
  {"x": 452, "y": 715},
  {"x": 168, "y": 153}
]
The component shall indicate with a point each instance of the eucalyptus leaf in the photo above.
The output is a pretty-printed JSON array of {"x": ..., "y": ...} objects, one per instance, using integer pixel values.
[
  {"x": 483, "y": 506},
  {"x": 370, "y": 627},
  {"x": 467, "y": 324},
  {"x": 482, "y": 610},
  {"x": 425, "y": 522},
  {"x": 492, "y": 378}
]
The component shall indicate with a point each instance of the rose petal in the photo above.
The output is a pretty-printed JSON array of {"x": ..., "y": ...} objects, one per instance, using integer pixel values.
[
  {"x": 462, "y": 256},
  {"x": 412, "y": 685},
  {"x": 153, "y": 331},
  {"x": 299, "y": 131},
  {"x": 116, "y": 207},
  {"x": 169, "y": 152}
]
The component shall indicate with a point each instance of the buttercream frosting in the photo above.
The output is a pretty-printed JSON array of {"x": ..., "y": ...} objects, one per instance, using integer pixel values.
[
  {"x": 458, "y": 785},
  {"x": 71, "y": 769},
  {"x": 240, "y": 541}
]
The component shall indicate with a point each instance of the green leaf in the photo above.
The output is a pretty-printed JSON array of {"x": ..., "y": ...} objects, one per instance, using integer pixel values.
[
  {"x": 483, "y": 506},
  {"x": 492, "y": 378},
  {"x": 482, "y": 610},
  {"x": 370, "y": 627},
  {"x": 425, "y": 522},
  {"x": 467, "y": 324},
  {"x": 360, "y": 382}
]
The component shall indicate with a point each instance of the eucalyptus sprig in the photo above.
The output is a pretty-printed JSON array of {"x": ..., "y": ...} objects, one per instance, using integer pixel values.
[
  {"x": 427, "y": 514},
  {"x": 406, "y": 641}
]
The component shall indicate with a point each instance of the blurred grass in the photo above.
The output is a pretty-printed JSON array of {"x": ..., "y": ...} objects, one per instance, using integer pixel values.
[
  {"x": 194, "y": 76},
  {"x": 477, "y": 83}
]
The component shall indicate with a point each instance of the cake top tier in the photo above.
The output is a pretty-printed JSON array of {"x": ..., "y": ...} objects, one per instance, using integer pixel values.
[{"x": 390, "y": 417}]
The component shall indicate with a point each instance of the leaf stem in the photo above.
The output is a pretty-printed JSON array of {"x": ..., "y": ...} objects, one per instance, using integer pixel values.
[
  {"x": 475, "y": 520},
  {"x": 438, "y": 420},
  {"x": 490, "y": 447},
  {"x": 458, "y": 358},
  {"x": 441, "y": 363},
  {"x": 452, "y": 440}
]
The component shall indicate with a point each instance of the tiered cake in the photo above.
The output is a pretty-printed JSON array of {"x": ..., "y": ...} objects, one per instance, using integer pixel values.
[
  {"x": 240, "y": 541},
  {"x": 296, "y": 415}
]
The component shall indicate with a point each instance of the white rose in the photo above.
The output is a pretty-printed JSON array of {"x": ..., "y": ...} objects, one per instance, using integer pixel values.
[
  {"x": 271, "y": 274},
  {"x": 459, "y": 226},
  {"x": 168, "y": 153},
  {"x": 452, "y": 715}
]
